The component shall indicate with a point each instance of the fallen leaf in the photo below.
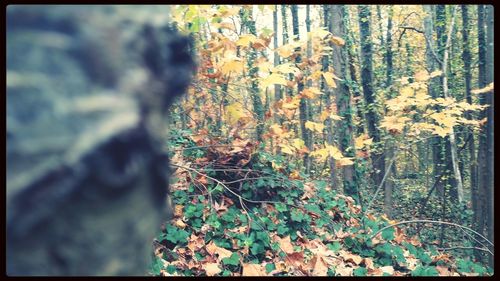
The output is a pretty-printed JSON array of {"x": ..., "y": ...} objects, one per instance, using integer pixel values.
[
  {"x": 250, "y": 269},
  {"x": 286, "y": 244},
  {"x": 388, "y": 269},
  {"x": 356, "y": 259},
  {"x": 212, "y": 268},
  {"x": 319, "y": 266},
  {"x": 221, "y": 252},
  {"x": 443, "y": 271}
]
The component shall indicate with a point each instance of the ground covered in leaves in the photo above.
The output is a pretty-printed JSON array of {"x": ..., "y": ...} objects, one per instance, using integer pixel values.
[{"x": 242, "y": 213}]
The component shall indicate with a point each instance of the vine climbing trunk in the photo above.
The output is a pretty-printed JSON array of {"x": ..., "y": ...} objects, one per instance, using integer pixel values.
[
  {"x": 258, "y": 107},
  {"x": 372, "y": 118},
  {"x": 343, "y": 100}
]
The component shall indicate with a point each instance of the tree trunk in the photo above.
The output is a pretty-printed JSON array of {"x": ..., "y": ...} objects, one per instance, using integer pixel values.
[
  {"x": 353, "y": 84},
  {"x": 388, "y": 81},
  {"x": 372, "y": 118},
  {"x": 300, "y": 88},
  {"x": 258, "y": 107},
  {"x": 328, "y": 102},
  {"x": 289, "y": 90},
  {"x": 485, "y": 151},
  {"x": 453, "y": 144},
  {"x": 343, "y": 100},
  {"x": 277, "y": 89},
  {"x": 466, "y": 57}
]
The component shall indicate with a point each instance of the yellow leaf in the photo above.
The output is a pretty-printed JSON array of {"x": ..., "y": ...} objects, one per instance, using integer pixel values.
[
  {"x": 322, "y": 154},
  {"x": 292, "y": 104},
  {"x": 246, "y": 39},
  {"x": 234, "y": 112},
  {"x": 179, "y": 223},
  {"x": 286, "y": 149},
  {"x": 276, "y": 129},
  {"x": 338, "y": 41},
  {"x": 486, "y": 89},
  {"x": 422, "y": 75},
  {"x": 329, "y": 79},
  {"x": 334, "y": 152},
  {"x": 444, "y": 119},
  {"x": 286, "y": 51},
  {"x": 272, "y": 79},
  {"x": 318, "y": 32},
  {"x": 335, "y": 117},
  {"x": 435, "y": 73},
  {"x": 235, "y": 65},
  {"x": 396, "y": 123},
  {"x": 406, "y": 92},
  {"x": 318, "y": 127},
  {"x": 442, "y": 132},
  {"x": 212, "y": 268},
  {"x": 298, "y": 143},
  {"x": 250, "y": 269},
  {"x": 286, "y": 68},
  {"x": 345, "y": 161}
]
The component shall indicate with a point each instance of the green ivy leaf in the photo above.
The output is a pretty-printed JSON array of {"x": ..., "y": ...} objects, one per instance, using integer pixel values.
[{"x": 234, "y": 259}]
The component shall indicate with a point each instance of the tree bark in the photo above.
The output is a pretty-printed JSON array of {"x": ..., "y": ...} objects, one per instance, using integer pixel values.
[
  {"x": 372, "y": 118},
  {"x": 258, "y": 107},
  {"x": 485, "y": 151},
  {"x": 343, "y": 100},
  {"x": 390, "y": 150},
  {"x": 453, "y": 144},
  {"x": 300, "y": 87}
]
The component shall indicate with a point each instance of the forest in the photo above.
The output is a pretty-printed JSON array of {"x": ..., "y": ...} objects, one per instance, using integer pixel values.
[{"x": 333, "y": 140}]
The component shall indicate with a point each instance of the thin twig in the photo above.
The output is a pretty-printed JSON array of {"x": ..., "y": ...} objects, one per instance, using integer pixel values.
[{"x": 432, "y": 221}]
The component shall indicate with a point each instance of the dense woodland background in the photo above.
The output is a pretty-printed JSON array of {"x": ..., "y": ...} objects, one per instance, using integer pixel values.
[{"x": 311, "y": 129}]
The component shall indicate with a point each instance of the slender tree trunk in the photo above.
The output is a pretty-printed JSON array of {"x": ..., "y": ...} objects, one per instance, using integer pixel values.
[
  {"x": 343, "y": 100},
  {"x": 258, "y": 107},
  {"x": 481, "y": 156},
  {"x": 277, "y": 88},
  {"x": 388, "y": 81},
  {"x": 300, "y": 88},
  {"x": 353, "y": 81},
  {"x": 453, "y": 144},
  {"x": 328, "y": 93},
  {"x": 285, "y": 40},
  {"x": 309, "y": 109},
  {"x": 372, "y": 118},
  {"x": 466, "y": 57}
]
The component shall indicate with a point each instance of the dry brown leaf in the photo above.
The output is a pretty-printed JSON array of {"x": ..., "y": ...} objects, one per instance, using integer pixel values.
[
  {"x": 179, "y": 223},
  {"x": 369, "y": 263},
  {"x": 212, "y": 268},
  {"x": 178, "y": 210},
  {"x": 356, "y": 259},
  {"x": 295, "y": 259},
  {"x": 250, "y": 269},
  {"x": 388, "y": 269},
  {"x": 320, "y": 268},
  {"x": 221, "y": 252},
  {"x": 286, "y": 244},
  {"x": 343, "y": 270},
  {"x": 443, "y": 271}
]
